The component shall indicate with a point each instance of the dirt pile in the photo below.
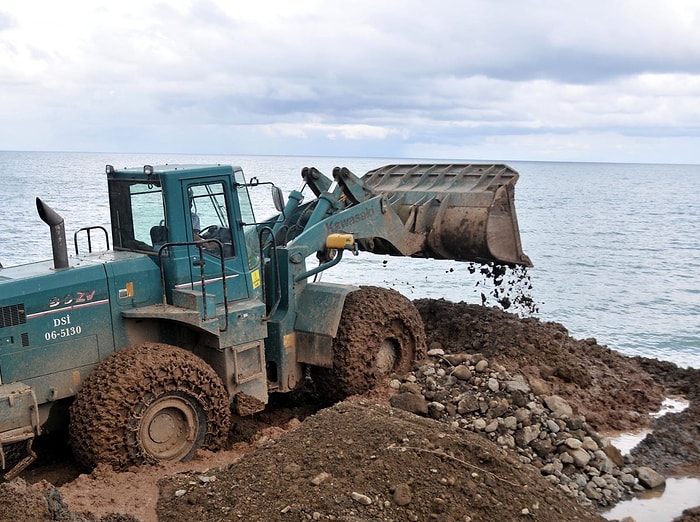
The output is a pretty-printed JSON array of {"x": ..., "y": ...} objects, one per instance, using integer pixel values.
[
  {"x": 612, "y": 391},
  {"x": 363, "y": 459}
]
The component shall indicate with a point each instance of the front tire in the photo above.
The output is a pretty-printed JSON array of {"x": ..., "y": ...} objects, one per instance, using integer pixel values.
[
  {"x": 147, "y": 404},
  {"x": 380, "y": 333}
]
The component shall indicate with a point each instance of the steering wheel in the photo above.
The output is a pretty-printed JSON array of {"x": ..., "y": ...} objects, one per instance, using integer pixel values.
[{"x": 209, "y": 232}]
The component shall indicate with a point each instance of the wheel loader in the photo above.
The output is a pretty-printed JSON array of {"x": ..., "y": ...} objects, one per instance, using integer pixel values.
[{"x": 150, "y": 339}]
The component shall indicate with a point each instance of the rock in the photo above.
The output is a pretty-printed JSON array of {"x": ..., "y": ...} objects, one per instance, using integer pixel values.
[
  {"x": 320, "y": 478},
  {"x": 493, "y": 385},
  {"x": 435, "y": 350},
  {"x": 589, "y": 444},
  {"x": 552, "y": 479},
  {"x": 566, "y": 458},
  {"x": 426, "y": 369},
  {"x": 506, "y": 440},
  {"x": 411, "y": 387},
  {"x": 599, "y": 481},
  {"x": 519, "y": 398},
  {"x": 467, "y": 404},
  {"x": 580, "y": 480},
  {"x": 402, "y": 495},
  {"x": 566, "y": 489},
  {"x": 479, "y": 424},
  {"x": 552, "y": 426},
  {"x": 580, "y": 456},
  {"x": 573, "y": 443},
  {"x": 435, "y": 409},
  {"x": 602, "y": 461},
  {"x": 525, "y": 436},
  {"x": 649, "y": 478},
  {"x": 491, "y": 426},
  {"x": 510, "y": 422},
  {"x": 576, "y": 422},
  {"x": 410, "y": 402},
  {"x": 614, "y": 454},
  {"x": 592, "y": 492},
  {"x": 362, "y": 499},
  {"x": 543, "y": 447},
  {"x": 628, "y": 479},
  {"x": 463, "y": 373},
  {"x": 481, "y": 365},
  {"x": 522, "y": 415},
  {"x": 517, "y": 384},
  {"x": 552, "y": 468},
  {"x": 456, "y": 359},
  {"x": 535, "y": 408},
  {"x": 558, "y": 406},
  {"x": 498, "y": 408}
]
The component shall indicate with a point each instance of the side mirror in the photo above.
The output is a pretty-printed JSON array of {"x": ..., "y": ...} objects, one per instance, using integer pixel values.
[{"x": 278, "y": 198}]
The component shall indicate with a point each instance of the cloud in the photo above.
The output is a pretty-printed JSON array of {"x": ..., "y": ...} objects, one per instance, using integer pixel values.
[{"x": 398, "y": 77}]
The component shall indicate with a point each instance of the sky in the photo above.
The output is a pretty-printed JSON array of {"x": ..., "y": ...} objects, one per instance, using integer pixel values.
[{"x": 540, "y": 80}]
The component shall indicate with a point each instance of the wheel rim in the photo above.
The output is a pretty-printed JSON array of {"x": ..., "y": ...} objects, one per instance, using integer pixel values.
[
  {"x": 386, "y": 357},
  {"x": 169, "y": 428}
]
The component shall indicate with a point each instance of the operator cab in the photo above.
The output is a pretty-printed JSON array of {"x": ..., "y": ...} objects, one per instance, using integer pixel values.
[{"x": 193, "y": 220}]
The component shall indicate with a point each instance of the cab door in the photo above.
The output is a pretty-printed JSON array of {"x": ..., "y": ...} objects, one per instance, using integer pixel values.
[{"x": 219, "y": 260}]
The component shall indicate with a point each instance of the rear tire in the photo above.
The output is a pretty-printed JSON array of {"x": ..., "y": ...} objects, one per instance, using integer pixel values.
[
  {"x": 380, "y": 333},
  {"x": 147, "y": 404}
]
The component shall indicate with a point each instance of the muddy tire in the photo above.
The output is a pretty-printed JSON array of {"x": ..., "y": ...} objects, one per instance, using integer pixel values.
[
  {"x": 380, "y": 333},
  {"x": 147, "y": 404}
]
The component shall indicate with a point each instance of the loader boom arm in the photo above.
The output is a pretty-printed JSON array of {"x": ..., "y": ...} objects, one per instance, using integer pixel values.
[{"x": 460, "y": 212}]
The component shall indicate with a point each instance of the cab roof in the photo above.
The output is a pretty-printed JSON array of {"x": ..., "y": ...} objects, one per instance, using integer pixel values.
[{"x": 168, "y": 170}]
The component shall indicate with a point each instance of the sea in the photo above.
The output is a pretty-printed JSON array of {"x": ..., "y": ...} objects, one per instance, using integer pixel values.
[{"x": 615, "y": 247}]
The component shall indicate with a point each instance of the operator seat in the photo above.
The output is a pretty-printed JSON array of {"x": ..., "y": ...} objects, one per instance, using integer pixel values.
[{"x": 159, "y": 236}]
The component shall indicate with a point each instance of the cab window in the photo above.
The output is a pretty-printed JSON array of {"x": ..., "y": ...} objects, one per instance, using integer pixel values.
[
  {"x": 135, "y": 209},
  {"x": 209, "y": 217}
]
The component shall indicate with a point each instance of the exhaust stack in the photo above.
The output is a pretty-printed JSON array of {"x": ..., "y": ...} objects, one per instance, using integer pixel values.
[{"x": 58, "y": 234}]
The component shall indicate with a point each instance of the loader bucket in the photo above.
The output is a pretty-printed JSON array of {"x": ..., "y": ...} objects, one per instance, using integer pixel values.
[{"x": 466, "y": 212}]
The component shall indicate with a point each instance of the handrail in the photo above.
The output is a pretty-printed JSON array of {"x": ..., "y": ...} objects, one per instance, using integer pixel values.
[
  {"x": 320, "y": 268},
  {"x": 201, "y": 245},
  {"x": 89, "y": 238},
  {"x": 275, "y": 269}
]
